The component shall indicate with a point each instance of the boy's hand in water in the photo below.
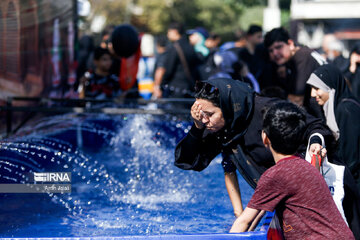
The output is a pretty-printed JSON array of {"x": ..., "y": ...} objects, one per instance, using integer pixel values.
[
  {"x": 316, "y": 149},
  {"x": 197, "y": 115}
]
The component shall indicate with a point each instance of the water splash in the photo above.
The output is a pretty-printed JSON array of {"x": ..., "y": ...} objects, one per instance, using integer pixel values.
[{"x": 123, "y": 178}]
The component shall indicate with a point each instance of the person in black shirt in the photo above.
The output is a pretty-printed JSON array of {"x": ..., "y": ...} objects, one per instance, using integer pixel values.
[
  {"x": 159, "y": 69},
  {"x": 254, "y": 55},
  {"x": 299, "y": 63},
  {"x": 333, "y": 49},
  {"x": 212, "y": 43},
  {"x": 353, "y": 70},
  {"x": 249, "y": 54},
  {"x": 181, "y": 65}
]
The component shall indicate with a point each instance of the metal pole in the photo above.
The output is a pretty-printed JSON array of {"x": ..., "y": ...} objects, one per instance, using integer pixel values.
[{"x": 8, "y": 116}]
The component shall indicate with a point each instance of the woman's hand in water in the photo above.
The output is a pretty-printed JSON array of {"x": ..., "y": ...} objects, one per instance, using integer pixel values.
[
  {"x": 196, "y": 115},
  {"x": 316, "y": 148}
]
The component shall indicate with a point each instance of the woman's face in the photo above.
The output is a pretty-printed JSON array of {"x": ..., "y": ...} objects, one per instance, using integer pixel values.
[
  {"x": 212, "y": 116},
  {"x": 320, "y": 95}
]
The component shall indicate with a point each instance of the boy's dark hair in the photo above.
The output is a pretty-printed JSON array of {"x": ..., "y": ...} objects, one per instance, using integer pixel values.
[
  {"x": 208, "y": 92},
  {"x": 284, "y": 125},
  {"x": 254, "y": 29},
  {"x": 99, "y": 52},
  {"x": 177, "y": 26},
  {"x": 214, "y": 36},
  {"x": 276, "y": 35},
  {"x": 161, "y": 40}
]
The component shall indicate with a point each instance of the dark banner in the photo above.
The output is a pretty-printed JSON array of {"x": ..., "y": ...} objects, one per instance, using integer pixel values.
[{"x": 37, "y": 48}]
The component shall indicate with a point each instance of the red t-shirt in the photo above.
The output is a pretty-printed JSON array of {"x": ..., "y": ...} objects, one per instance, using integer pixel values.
[{"x": 302, "y": 201}]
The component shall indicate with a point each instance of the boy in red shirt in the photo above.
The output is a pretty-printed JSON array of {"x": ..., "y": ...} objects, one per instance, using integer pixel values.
[{"x": 293, "y": 187}]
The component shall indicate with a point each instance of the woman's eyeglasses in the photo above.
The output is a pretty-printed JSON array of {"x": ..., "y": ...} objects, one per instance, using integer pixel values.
[{"x": 208, "y": 88}]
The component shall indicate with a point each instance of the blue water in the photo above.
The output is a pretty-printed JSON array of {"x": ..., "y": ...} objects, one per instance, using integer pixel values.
[{"x": 123, "y": 180}]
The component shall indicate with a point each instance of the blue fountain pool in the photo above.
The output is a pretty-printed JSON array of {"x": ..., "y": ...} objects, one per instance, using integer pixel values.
[{"x": 123, "y": 180}]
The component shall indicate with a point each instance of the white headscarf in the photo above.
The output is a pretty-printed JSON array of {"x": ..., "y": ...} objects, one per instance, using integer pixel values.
[{"x": 329, "y": 104}]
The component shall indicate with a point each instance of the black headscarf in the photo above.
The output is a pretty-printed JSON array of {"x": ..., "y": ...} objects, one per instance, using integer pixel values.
[
  {"x": 236, "y": 104},
  {"x": 354, "y": 77},
  {"x": 329, "y": 78},
  {"x": 356, "y": 48},
  {"x": 333, "y": 78},
  {"x": 347, "y": 115}
]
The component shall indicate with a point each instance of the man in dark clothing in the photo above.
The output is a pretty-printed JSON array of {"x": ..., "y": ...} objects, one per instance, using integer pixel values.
[
  {"x": 333, "y": 48},
  {"x": 181, "y": 64},
  {"x": 254, "y": 55},
  {"x": 159, "y": 68},
  {"x": 299, "y": 63},
  {"x": 251, "y": 52},
  {"x": 207, "y": 68},
  {"x": 353, "y": 70}
]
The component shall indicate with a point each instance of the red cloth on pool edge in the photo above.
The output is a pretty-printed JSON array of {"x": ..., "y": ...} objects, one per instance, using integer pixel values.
[{"x": 302, "y": 201}]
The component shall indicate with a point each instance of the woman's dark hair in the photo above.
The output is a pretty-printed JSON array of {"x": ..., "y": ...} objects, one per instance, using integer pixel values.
[
  {"x": 208, "y": 92},
  {"x": 276, "y": 35},
  {"x": 284, "y": 125}
]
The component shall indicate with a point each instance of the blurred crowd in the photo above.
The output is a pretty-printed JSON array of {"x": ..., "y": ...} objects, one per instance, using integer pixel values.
[{"x": 169, "y": 66}]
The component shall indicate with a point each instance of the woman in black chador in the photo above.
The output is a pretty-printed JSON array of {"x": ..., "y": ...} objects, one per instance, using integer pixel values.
[{"x": 342, "y": 112}]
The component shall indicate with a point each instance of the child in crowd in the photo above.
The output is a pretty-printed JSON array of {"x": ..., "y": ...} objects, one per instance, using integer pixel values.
[
  {"x": 100, "y": 84},
  {"x": 293, "y": 187}
]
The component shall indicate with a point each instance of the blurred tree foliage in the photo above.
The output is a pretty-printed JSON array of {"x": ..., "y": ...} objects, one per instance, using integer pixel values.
[
  {"x": 220, "y": 16},
  {"x": 114, "y": 11}
]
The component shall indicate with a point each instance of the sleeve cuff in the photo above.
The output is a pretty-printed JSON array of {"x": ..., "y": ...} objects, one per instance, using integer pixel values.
[{"x": 195, "y": 132}]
